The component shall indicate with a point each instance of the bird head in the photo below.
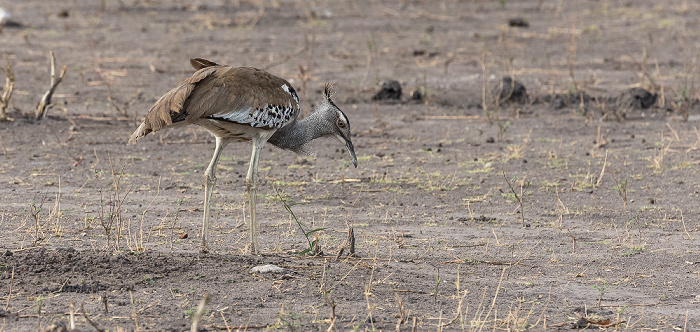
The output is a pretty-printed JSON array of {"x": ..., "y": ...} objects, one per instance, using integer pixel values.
[{"x": 341, "y": 124}]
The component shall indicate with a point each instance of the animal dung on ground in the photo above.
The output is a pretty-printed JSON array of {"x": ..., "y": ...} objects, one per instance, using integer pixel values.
[
  {"x": 512, "y": 91},
  {"x": 390, "y": 90},
  {"x": 518, "y": 22},
  {"x": 639, "y": 98},
  {"x": 416, "y": 95}
]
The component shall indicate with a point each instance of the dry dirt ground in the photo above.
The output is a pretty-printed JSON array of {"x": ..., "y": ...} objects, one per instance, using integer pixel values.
[{"x": 569, "y": 208}]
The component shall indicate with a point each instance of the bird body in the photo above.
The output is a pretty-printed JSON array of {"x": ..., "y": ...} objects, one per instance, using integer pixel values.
[
  {"x": 244, "y": 104},
  {"x": 216, "y": 97}
]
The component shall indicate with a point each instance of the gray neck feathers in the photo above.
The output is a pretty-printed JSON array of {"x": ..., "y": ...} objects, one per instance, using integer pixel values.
[{"x": 296, "y": 135}]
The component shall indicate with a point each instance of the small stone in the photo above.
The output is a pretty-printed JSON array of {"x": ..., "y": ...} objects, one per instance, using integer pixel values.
[{"x": 269, "y": 268}]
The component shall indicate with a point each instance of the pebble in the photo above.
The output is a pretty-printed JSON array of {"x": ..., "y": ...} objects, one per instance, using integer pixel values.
[{"x": 269, "y": 268}]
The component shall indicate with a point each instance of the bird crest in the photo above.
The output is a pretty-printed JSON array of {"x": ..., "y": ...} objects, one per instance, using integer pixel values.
[{"x": 328, "y": 91}]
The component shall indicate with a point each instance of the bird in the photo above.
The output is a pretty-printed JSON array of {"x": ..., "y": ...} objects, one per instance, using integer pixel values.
[{"x": 244, "y": 104}]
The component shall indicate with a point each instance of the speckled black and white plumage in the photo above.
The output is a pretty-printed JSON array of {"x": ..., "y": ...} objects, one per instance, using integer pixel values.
[{"x": 327, "y": 120}]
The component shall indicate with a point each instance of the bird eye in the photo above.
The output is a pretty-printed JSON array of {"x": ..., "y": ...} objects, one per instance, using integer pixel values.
[{"x": 341, "y": 124}]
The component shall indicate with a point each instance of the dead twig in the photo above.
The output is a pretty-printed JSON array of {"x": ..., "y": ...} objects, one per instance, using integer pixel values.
[
  {"x": 7, "y": 92},
  {"x": 286, "y": 58},
  {"x": 133, "y": 312},
  {"x": 45, "y": 102},
  {"x": 602, "y": 171},
  {"x": 519, "y": 198},
  {"x": 87, "y": 318},
  {"x": 240, "y": 327},
  {"x": 200, "y": 311},
  {"x": 12, "y": 281},
  {"x": 403, "y": 313}
]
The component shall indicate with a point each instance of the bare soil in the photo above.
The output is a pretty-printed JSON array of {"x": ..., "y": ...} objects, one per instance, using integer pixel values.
[{"x": 567, "y": 207}]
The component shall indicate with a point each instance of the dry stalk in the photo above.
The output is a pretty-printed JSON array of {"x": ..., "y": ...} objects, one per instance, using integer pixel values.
[
  {"x": 484, "y": 83},
  {"x": 139, "y": 243},
  {"x": 117, "y": 202},
  {"x": 7, "y": 92},
  {"x": 304, "y": 77},
  {"x": 4, "y": 148},
  {"x": 403, "y": 313},
  {"x": 225, "y": 322},
  {"x": 571, "y": 56},
  {"x": 688, "y": 93},
  {"x": 480, "y": 308},
  {"x": 35, "y": 210},
  {"x": 564, "y": 208},
  {"x": 673, "y": 131},
  {"x": 495, "y": 296},
  {"x": 200, "y": 311},
  {"x": 104, "y": 302},
  {"x": 285, "y": 58},
  {"x": 519, "y": 198},
  {"x": 621, "y": 188},
  {"x": 331, "y": 304},
  {"x": 458, "y": 315},
  {"x": 371, "y": 48},
  {"x": 110, "y": 98},
  {"x": 684, "y": 228},
  {"x": 437, "y": 286},
  {"x": 9, "y": 295},
  {"x": 544, "y": 323},
  {"x": 45, "y": 102},
  {"x": 573, "y": 242},
  {"x": 87, "y": 318},
  {"x": 133, "y": 312},
  {"x": 645, "y": 72},
  {"x": 602, "y": 171},
  {"x": 71, "y": 311}
]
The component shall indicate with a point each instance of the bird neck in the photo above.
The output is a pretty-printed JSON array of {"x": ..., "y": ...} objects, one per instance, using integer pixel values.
[{"x": 298, "y": 133}]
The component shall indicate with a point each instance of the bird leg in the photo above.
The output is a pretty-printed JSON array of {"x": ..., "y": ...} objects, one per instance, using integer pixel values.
[
  {"x": 210, "y": 182},
  {"x": 251, "y": 182}
]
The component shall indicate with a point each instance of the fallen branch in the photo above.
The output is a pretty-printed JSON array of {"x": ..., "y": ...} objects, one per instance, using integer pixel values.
[
  {"x": 45, "y": 102},
  {"x": 7, "y": 92}
]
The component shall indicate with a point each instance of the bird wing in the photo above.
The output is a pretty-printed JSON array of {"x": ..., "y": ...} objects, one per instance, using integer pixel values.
[
  {"x": 240, "y": 95},
  {"x": 245, "y": 96},
  {"x": 199, "y": 63}
]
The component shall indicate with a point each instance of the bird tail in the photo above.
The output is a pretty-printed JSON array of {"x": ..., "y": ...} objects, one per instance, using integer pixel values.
[{"x": 141, "y": 131}]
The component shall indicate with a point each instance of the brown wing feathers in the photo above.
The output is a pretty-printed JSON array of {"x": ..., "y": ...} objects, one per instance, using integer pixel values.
[
  {"x": 215, "y": 90},
  {"x": 170, "y": 107},
  {"x": 199, "y": 63}
]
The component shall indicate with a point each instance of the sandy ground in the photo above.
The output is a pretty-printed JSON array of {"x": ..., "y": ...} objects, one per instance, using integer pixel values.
[{"x": 576, "y": 206}]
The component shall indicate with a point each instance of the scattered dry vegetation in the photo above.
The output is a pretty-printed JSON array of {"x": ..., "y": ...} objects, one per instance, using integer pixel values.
[{"x": 588, "y": 111}]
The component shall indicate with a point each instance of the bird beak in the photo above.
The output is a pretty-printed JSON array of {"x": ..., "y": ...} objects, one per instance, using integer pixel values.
[{"x": 348, "y": 145}]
